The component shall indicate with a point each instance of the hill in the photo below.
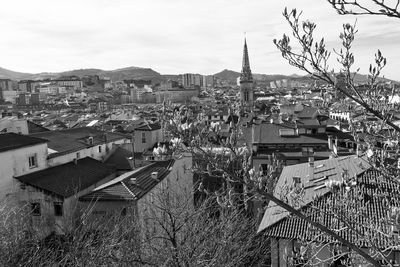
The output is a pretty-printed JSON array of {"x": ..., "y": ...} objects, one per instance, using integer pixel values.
[
  {"x": 13, "y": 75},
  {"x": 227, "y": 75},
  {"x": 115, "y": 75},
  {"x": 148, "y": 73}
]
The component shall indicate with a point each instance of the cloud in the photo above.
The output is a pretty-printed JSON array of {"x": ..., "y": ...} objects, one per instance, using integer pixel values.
[{"x": 173, "y": 36}]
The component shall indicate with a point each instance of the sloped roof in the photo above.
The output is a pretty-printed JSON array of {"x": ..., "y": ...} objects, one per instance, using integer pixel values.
[
  {"x": 67, "y": 179},
  {"x": 148, "y": 127},
  {"x": 375, "y": 189},
  {"x": 11, "y": 141},
  {"x": 119, "y": 159},
  {"x": 307, "y": 112},
  {"x": 123, "y": 187},
  {"x": 70, "y": 140},
  {"x": 313, "y": 179},
  {"x": 268, "y": 133}
]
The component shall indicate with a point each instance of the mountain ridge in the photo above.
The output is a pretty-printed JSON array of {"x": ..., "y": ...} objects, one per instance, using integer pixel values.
[{"x": 133, "y": 72}]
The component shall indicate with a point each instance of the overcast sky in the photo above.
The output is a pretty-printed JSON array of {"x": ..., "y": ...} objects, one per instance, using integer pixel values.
[{"x": 173, "y": 36}]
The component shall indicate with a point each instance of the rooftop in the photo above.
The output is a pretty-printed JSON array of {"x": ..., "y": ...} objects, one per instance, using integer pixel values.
[
  {"x": 67, "y": 179},
  {"x": 11, "y": 141},
  {"x": 313, "y": 179},
  {"x": 374, "y": 192},
  {"x": 131, "y": 185},
  {"x": 70, "y": 140},
  {"x": 267, "y": 133}
]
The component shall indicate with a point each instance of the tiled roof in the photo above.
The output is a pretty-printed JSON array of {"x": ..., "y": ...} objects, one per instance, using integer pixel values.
[
  {"x": 11, "y": 141},
  {"x": 132, "y": 185},
  {"x": 375, "y": 189},
  {"x": 67, "y": 179},
  {"x": 70, "y": 140},
  {"x": 313, "y": 179}
]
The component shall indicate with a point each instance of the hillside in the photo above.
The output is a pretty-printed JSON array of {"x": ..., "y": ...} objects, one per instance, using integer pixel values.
[
  {"x": 148, "y": 73},
  {"x": 115, "y": 75},
  {"x": 13, "y": 75},
  {"x": 227, "y": 75}
]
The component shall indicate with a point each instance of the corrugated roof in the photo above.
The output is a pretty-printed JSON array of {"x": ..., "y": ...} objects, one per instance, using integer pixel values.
[
  {"x": 313, "y": 179},
  {"x": 67, "y": 179},
  {"x": 10, "y": 141},
  {"x": 132, "y": 185}
]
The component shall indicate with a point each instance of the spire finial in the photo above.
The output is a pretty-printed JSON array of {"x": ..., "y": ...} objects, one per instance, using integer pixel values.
[{"x": 246, "y": 75}]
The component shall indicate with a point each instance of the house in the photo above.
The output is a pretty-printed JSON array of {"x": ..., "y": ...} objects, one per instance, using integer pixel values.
[
  {"x": 291, "y": 143},
  {"x": 288, "y": 232},
  {"x": 66, "y": 145},
  {"x": 51, "y": 195},
  {"x": 147, "y": 135},
  {"x": 136, "y": 192},
  {"x": 19, "y": 155}
]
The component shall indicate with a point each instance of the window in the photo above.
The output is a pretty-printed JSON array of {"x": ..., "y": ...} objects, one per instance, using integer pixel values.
[
  {"x": 33, "y": 161},
  {"x": 99, "y": 149},
  {"x": 78, "y": 155},
  {"x": 58, "y": 208},
  {"x": 307, "y": 150},
  {"x": 19, "y": 130},
  {"x": 35, "y": 208},
  {"x": 143, "y": 137}
]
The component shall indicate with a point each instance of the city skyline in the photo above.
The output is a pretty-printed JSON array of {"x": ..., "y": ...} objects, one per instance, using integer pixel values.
[{"x": 176, "y": 36}]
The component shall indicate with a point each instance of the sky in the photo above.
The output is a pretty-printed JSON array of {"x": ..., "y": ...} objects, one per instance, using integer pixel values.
[{"x": 175, "y": 36}]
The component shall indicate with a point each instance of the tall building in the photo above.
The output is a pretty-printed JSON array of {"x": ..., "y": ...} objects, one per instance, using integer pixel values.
[{"x": 246, "y": 80}]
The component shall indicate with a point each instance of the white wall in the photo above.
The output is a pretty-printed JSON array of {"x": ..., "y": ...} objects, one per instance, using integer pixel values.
[
  {"x": 92, "y": 152},
  {"x": 14, "y": 125},
  {"x": 16, "y": 163},
  {"x": 152, "y": 138}
]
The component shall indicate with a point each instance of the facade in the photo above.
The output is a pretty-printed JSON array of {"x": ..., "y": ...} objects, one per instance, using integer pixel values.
[
  {"x": 147, "y": 136},
  {"x": 246, "y": 81},
  {"x": 14, "y": 125},
  {"x": 140, "y": 192},
  {"x": 190, "y": 80},
  {"x": 19, "y": 155},
  {"x": 176, "y": 96},
  {"x": 51, "y": 195},
  {"x": 67, "y": 145}
]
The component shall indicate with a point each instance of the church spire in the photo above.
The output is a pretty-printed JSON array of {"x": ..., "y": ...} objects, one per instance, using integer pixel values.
[{"x": 246, "y": 75}]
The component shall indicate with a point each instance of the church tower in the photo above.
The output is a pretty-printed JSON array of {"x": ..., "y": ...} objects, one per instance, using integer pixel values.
[{"x": 246, "y": 80}]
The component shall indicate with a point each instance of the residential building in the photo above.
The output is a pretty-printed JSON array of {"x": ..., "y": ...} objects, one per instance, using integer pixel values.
[
  {"x": 14, "y": 125},
  {"x": 19, "y": 155},
  {"x": 66, "y": 145},
  {"x": 146, "y": 136},
  {"x": 139, "y": 192},
  {"x": 176, "y": 95},
  {"x": 52, "y": 194},
  {"x": 378, "y": 195}
]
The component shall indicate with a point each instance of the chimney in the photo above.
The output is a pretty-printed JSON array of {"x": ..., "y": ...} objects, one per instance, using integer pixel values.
[
  {"x": 311, "y": 161},
  {"x": 90, "y": 140},
  {"x": 330, "y": 142},
  {"x": 296, "y": 181},
  {"x": 132, "y": 181},
  {"x": 105, "y": 138},
  {"x": 154, "y": 175}
]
